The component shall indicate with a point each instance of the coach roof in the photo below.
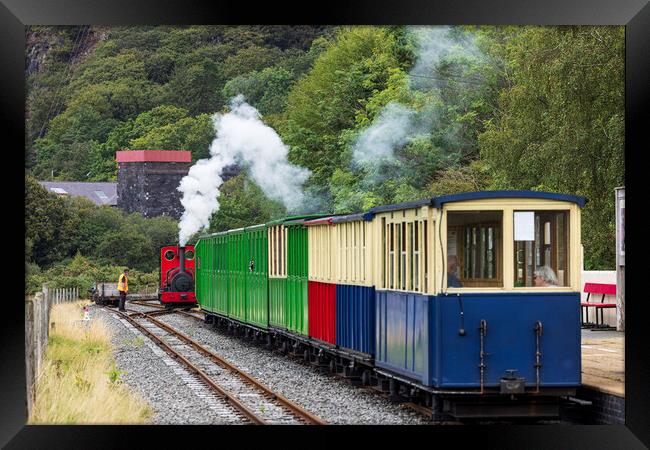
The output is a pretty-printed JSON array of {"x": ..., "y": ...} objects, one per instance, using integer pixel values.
[{"x": 437, "y": 202}]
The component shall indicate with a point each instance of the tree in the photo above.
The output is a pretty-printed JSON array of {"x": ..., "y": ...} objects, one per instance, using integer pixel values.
[
  {"x": 189, "y": 133},
  {"x": 242, "y": 204},
  {"x": 325, "y": 101},
  {"x": 249, "y": 59},
  {"x": 127, "y": 247},
  {"x": 561, "y": 124},
  {"x": 94, "y": 222},
  {"x": 49, "y": 226},
  {"x": 197, "y": 80},
  {"x": 265, "y": 90}
]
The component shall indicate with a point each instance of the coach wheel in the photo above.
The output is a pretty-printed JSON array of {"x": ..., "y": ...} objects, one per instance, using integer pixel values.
[
  {"x": 284, "y": 347},
  {"x": 332, "y": 365},
  {"x": 305, "y": 355},
  {"x": 365, "y": 377}
]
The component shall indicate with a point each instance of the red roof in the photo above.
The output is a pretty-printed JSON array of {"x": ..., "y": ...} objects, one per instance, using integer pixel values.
[
  {"x": 153, "y": 156},
  {"x": 322, "y": 221}
]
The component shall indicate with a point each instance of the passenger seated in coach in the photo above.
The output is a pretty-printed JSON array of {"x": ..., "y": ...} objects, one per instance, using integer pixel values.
[
  {"x": 452, "y": 266},
  {"x": 544, "y": 276}
]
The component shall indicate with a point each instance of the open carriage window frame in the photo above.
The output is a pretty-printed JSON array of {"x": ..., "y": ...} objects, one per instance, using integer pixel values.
[{"x": 405, "y": 249}]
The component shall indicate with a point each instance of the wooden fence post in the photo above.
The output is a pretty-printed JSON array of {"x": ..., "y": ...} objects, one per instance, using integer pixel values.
[
  {"x": 40, "y": 332},
  {"x": 46, "y": 291},
  {"x": 29, "y": 353}
]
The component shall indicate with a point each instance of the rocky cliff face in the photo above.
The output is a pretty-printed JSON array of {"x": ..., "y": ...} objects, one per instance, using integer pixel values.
[
  {"x": 38, "y": 44},
  {"x": 40, "y": 41}
]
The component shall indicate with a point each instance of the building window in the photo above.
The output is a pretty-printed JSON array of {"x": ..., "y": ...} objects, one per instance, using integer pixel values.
[
  {"x": 541, "y": 248},
  {"x": 474, "y": 248}
]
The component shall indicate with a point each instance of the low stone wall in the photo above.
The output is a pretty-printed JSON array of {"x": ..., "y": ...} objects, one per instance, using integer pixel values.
[{"x": 605, "y": 409}]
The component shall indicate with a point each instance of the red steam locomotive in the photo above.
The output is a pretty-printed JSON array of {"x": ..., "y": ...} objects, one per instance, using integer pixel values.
[{"x": 177, "y": 276}]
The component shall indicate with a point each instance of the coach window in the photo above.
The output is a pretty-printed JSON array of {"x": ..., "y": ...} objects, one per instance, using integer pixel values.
[
  {"x": 474, "y": 249},
  {"x": 541, "y": 248}
]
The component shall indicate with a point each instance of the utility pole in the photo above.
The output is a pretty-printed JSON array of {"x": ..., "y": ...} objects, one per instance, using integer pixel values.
[{"x": 620, "y": 258}]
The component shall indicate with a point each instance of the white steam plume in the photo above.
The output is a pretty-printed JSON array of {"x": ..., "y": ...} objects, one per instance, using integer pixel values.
[
  {"x": 396, "y": 124},
  {"x": 241, "y": 137},
  {"x": 389, "y": 130}
]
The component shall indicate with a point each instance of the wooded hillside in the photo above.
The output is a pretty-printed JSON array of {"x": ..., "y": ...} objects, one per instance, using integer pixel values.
[{"x": 378, "y": 114}]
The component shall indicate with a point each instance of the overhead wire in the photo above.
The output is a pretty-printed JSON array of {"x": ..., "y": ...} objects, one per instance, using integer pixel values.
[
  {"x": 80, "y": 37},
  {"x": 72, "y": 61},
  {"x": 51, "y": 108},
  {"x": 457, "y": 79}
]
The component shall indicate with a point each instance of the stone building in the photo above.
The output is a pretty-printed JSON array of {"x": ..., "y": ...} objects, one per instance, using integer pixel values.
[{"x": 147, "y": 181}]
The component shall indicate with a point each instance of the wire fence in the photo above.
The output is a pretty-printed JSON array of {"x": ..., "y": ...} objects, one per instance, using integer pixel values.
[{"x": 37, "y": 327}]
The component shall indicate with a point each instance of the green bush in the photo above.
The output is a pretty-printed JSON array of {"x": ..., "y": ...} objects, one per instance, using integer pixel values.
[{"x": 82, "y": 273}]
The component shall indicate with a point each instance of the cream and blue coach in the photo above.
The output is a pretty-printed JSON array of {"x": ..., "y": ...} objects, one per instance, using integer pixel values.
[{"x": 479, "y": 292}]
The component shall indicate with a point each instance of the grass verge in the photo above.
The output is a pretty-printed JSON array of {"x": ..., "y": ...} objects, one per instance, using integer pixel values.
[{"x": 80, "y": 383}]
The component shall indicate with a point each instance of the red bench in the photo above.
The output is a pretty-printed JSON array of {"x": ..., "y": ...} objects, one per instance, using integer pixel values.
[{"x": 597, "y": 289}]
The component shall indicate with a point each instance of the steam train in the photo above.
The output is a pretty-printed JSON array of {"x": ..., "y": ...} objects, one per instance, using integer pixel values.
[
  {"x": 437, "y": 301},
  {"x": 177, "y": 276}
]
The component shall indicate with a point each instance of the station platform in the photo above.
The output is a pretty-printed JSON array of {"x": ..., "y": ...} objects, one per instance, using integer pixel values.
[{"x": 603, "y": 361}]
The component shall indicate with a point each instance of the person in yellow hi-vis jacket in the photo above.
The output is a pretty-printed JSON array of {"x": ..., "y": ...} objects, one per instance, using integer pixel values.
[{"x": 123, "y": 287}]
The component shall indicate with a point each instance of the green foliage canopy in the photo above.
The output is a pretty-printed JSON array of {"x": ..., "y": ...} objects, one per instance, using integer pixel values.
[{"x": 560, "y": 126}]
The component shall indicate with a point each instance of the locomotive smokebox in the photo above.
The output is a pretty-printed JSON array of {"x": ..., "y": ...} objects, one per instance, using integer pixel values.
[{"x": 182, "y": 281}]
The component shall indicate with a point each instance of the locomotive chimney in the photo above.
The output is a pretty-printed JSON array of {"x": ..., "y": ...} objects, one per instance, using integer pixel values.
[{"x": 181, "y": 258}]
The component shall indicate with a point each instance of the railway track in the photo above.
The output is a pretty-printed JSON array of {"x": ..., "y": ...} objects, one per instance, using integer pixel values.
[
  {"x": 161, "y": 310},
  {"x": 237, "y": 394},
  {"x": 193, "y": 314}
]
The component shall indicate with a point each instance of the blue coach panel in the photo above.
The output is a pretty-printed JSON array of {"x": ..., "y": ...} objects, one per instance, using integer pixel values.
[
  {"x": 404, "y": 343},
  {"x": 355, "y": 318},
  {"x": 510, "y": 338},
  {"x": 418, "y": 336}
]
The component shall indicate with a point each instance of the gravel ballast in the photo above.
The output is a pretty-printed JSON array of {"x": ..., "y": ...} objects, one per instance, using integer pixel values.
[
  {"x": 144, "y": 370},
  {"x": 330, "y": 398}
]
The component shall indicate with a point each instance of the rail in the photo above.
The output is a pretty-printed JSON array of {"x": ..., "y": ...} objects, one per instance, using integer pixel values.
[{"x": 294, "y": 409}]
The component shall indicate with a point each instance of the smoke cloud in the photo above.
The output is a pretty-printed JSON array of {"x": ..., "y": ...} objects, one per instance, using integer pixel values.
[
  {"x": 397, "y": 124},
  {"x": 241, "y": 137},
  {"x": 389, "y": 130}
]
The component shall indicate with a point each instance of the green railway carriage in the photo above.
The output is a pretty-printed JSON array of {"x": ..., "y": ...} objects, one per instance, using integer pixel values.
[
  {"x": 257, "y": 275},
  {"x": 212, "y": 273},
  {"x": 288, "y": 266},
  {"x": 232, "y": 278}
]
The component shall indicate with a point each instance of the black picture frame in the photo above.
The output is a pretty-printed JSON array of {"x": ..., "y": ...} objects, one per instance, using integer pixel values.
[{"x": 634, "y": 14}]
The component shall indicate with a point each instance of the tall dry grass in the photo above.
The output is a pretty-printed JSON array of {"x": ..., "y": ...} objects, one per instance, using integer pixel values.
[{"x": 79, "y": 383}]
